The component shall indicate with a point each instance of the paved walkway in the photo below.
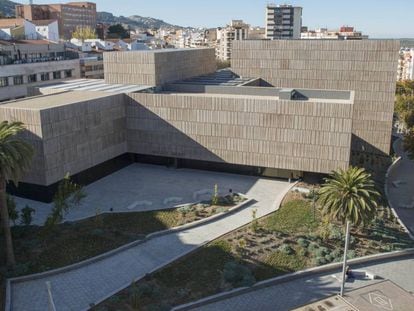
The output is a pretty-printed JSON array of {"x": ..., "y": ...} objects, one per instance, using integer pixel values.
[
  {"x": 141, "y": 187},
  {"x": 401, "y": 187},
  {"x": 76, "y": 289},
  {"x": 296, "y": 293}
]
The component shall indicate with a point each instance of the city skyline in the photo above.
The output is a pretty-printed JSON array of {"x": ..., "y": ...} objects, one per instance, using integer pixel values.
[{"x": 316, "y": 13}]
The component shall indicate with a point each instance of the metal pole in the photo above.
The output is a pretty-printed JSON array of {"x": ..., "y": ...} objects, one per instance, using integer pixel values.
[
  {"x": 52, "y": 306},
  {"x": 345, "y": 259}
]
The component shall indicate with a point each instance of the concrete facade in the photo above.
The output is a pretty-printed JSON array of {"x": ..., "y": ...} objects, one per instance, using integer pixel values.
[
  {"x": 157, "y": 67},
  {"x": 367, "y": 67},
  {"x": 70, "y": 132},
  {"x": 336, "y": 98}
]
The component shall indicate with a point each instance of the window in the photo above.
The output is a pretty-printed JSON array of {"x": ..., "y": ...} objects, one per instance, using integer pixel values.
[
  {"x": 57, "y": 75},
  {"x": 17, "y": 80},
  {"x": 32, "y": 78},
  {"x": 4, "y": 81},
  {"x": 44, "y": 76},
  {"x": 68, "y": 73}
]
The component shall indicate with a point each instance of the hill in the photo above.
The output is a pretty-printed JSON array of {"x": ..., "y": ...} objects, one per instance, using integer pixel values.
[
  {"x": 7, "y": 7},
  {"x": 134, "y": 21}
]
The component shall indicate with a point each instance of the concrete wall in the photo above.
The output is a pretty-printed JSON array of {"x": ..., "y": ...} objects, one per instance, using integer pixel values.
[
  {"x": 15, "y": 91},
  {"x": 71, "y": 138},
  {"x": 157, "y": 67},
  {"x": 294, "y": 135},
  {"x": 366, "y": 67}
]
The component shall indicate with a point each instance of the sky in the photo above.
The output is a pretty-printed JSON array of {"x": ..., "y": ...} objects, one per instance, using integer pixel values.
[{"x": 376, "y": 18}]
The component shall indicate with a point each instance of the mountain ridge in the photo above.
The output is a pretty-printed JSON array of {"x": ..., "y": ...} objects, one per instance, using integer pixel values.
[{"x": 7, "y": 8}]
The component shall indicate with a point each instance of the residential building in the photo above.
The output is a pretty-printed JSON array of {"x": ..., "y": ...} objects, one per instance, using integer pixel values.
[
  {"x": 18, "y": 29},
  {"x": 92, "y": 67},
  {"x": 283, "y": 21},
  {"x": 237, "y": 30},
  {"x": 47, "y": 29},
  {"x": 257, "y": 33},
  {"x": 343, "y": 33},
  {"x": 30, "y": 63},
  {"x": 406, "y": 64},
  {"x": 309, "y": 107},
  {"x": 69, "y": 15}
]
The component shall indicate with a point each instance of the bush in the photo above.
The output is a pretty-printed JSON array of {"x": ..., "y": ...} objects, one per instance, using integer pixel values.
[
  {"x": 313, "y": 246},
  {"x": 321, "y": 252},
  {"x": 11, "y": 207},
  {"x": 238, "y": 275},
  {"x": 351, "y": 254},
  {"x": 285, "y": 248},
  {"x": 336, "y": 234},
  {"x": 26, "y": 217},
  {"x": 303, "y": 242},
  {"x": 329, "y": 258},
  {"x": 319, "y": 261}
]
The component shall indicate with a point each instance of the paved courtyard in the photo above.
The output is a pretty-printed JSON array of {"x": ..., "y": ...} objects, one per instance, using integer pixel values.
[
  {"x": 401, "y": 188},
  {"x": 286, "y": 296},
  {"x": 76, "y": 289},
  {"x": 142, "y": 187}
]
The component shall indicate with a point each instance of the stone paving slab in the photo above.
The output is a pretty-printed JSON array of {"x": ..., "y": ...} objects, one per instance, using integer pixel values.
[
  {"x": 77, "y": 289},
  {"x": 143, "y": 187}
]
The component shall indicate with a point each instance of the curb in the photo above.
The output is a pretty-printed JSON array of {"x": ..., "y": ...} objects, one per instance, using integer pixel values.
[
  {"x": 276, "y": 205},
  {"x": 120, "y": 249},
  {"x": 390, "y": 169},
  {"x": 290, "y": 277}
]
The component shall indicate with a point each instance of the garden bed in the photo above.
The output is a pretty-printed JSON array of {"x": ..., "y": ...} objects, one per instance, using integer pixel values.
[
  {"x": 294, "y": 238},
  {"x": 39, "y": 250}
]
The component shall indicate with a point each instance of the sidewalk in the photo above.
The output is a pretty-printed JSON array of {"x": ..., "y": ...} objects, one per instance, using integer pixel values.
[
  {"x": 77, "y": 289},
  {"x": 401, "y": 187},
  {"x": 293, "y": 294}
]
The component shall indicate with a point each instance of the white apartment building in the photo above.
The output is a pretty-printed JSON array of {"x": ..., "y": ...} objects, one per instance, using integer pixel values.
[
  {"x": 406, "y": 65},
  {"x": 283, "y": 21},
  {"x": 237, "y": 30},
  {"x": 47, "y": 29}
]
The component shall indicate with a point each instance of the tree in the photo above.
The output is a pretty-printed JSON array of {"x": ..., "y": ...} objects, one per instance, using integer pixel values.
[
  {"x": 349, "y": 196},
  {"x": 84, "y": 33},
  {"x": 117, "y": 31},
  {"x": 15, "y": 158},
  {"x": 408, "y": 144},
  {"x": 67, "y": 196}
]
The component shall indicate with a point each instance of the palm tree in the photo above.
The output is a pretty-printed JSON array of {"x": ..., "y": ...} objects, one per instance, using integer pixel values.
[
  {"x": 15, "y": 157},
  {"x": 350, "y": 197}
]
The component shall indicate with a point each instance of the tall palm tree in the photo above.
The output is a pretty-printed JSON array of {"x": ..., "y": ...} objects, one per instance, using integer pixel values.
[
  {"x": 15, "y": 157},
  {"x": 350, "y": 197}
]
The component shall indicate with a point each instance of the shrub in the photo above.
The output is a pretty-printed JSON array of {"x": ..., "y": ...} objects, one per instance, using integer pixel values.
[
  {"x": 255, "y": 223},
  {"x": 26, "y": 217},
  {"x": 11, "y": 207},
  {"x": 285, "y": 248},
  {"x": 303, "y": 242},
  {"x": 319, "y": 261},
  {"x": 237, "y": 275},
  {"x": 351, "y": 254},
  {"x": 184, "y": 210},
  {"x": 215, "y": 197},
  {"x": 313, "y": 246},
  {"x": 329, "y": 258},
  {"x": 336, "y": 234},
  {"x": 321, "y": 252}
]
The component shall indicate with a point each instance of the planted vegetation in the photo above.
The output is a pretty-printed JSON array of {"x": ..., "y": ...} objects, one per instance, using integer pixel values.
[{"x": 294, "y": 238}]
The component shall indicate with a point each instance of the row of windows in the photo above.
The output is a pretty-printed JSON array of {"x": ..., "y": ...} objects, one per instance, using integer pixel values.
[{"x": 44, "y": 76}]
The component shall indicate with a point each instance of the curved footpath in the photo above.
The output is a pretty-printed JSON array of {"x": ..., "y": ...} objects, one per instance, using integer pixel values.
[
  {"x": 300, "y": 291},
  {"x": 400, "y": 187},
  {"x": 78, "y": 288}
]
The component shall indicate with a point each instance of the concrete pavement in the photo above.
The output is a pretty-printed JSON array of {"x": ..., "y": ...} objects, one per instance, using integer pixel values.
[
  {"x": 142, "y": 187},
  {"x": 401, "y": 187},
  {"x": 285, "y": 296},
  {"x": 78, "y": 288}
]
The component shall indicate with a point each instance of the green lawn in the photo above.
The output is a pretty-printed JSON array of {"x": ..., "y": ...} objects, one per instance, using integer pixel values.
[{"x": 286, "y": 241}]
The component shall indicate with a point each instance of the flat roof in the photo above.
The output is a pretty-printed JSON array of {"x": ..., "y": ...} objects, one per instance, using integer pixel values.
[
  {"x": 53, "y": 100},
  {"x": 224, "y": 77},
  {"x": 95, "y": 85}
]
